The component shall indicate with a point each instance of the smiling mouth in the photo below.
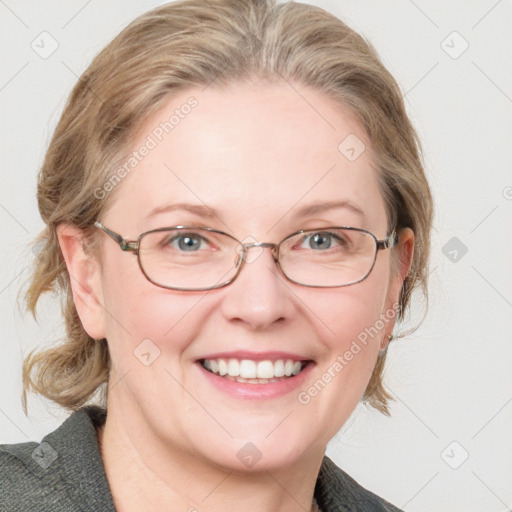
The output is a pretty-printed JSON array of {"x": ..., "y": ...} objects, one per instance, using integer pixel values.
[{"x": 247, "y": 371}]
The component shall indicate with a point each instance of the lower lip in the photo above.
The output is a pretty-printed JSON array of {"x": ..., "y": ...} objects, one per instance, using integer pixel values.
[{"x": 257, "y": 391}]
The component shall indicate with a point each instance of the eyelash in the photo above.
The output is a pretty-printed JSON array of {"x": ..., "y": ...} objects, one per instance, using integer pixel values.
[{"x": 168, "y": 241}]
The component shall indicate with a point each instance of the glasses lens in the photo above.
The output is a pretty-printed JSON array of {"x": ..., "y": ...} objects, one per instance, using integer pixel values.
[
  {"x": 334, "y": 257},
  {"x": 188, "y": 258},
  {"x": 198, "y": 259}
]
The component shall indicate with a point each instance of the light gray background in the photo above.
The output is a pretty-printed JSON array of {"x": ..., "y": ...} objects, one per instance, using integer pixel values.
[{"x": 452, "y": 378}]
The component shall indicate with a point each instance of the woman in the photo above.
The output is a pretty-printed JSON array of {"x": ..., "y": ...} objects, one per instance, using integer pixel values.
[{"x": 237, "y": 214}]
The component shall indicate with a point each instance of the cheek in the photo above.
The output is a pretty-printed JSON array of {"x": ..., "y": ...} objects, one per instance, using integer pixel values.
[
  {"x": 140, "y": 315},
  {"x": 352, "y": 341},
  {"x": 348, "y": 312},
  {"x": 352, "y": 324}
]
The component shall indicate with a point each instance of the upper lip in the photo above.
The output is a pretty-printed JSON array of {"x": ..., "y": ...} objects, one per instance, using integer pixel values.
[{"x": 255, "y": 356}]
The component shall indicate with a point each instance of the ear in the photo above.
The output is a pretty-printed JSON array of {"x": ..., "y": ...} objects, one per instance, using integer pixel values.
[
  {"x": 85, "y": 279},
  {"x": 399, "y": 271}
]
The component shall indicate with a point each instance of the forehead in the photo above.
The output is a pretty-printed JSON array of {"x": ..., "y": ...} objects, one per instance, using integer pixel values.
[{"x": 253, "y": 153}]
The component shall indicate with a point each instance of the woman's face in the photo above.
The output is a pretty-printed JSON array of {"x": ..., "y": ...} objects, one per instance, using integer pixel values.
[{"x": 255, "y": 155}]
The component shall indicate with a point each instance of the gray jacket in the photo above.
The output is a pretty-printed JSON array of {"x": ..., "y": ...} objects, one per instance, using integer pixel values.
[{"x": 65, "y": 473}]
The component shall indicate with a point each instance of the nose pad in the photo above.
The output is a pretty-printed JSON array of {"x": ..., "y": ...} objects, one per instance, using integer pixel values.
[{"x": 253, "y": 250}]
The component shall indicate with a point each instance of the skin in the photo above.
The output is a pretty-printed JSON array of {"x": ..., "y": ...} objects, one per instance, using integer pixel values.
[{"x": 256, "y": 153}]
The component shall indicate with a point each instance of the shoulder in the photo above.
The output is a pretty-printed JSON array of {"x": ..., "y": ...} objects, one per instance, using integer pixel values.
[
  {"x": 336, "y": 491},
  {"x": 63, "y": 472}
]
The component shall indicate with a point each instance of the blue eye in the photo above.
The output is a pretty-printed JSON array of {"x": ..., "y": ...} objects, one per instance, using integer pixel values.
[
  {"x": 322, "y": 240},
  {"x": 187, "y": 242}
]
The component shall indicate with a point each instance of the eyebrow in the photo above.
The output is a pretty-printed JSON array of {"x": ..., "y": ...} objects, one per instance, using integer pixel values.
[
  {"x": 197, "y": 209},
  {"x": 209, "y": 213},
  {"x": 330, "y": 205}
]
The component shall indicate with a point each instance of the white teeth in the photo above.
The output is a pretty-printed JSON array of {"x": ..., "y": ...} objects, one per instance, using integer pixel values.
[
  {"x": 265, "y": 370},
  {"x": 254, "y": 372},
  {"x": 247, "y": 369},
  {"x": 233, "y": 368},
  {"x": 214, "y": 366},
  {"x": 223, "y": 366},
  {"x": 279, "y": 368}
]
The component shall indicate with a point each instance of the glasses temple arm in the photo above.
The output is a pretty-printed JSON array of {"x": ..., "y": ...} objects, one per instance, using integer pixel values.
[
  {"x": 123, "y": 243},
  {"x": 389, "y": 242}
]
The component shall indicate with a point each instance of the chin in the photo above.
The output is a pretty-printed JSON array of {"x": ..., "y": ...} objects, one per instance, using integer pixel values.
[{"x": 246, "y": 456}]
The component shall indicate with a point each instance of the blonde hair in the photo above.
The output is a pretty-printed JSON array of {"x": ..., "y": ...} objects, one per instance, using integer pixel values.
[{"x": 198, "y": 43}]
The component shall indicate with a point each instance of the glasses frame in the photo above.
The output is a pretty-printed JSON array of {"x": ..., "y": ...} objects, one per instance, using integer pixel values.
[{"x": 132, "y": 246}]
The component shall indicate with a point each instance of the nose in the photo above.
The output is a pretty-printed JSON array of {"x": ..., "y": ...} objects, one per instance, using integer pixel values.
[{"x": 260, "y": 295}]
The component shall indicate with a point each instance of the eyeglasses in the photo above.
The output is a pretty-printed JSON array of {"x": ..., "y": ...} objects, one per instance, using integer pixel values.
[{"x": 193, "y": 259}]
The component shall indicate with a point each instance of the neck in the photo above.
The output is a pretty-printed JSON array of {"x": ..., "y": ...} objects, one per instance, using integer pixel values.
[{"x": 144, "y": 474}]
